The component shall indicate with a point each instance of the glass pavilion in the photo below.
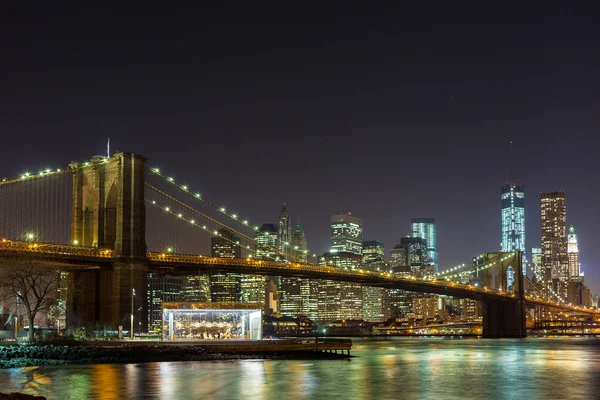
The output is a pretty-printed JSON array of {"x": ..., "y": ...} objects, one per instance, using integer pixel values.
[{"x": 212, "y": 321}]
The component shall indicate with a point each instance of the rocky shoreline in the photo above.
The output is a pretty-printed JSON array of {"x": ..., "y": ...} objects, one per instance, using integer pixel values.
[{"x": 28, "y": 356}]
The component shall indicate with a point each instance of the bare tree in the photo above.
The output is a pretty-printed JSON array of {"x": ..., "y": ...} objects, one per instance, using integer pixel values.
[{"x": 34, "y": 287}]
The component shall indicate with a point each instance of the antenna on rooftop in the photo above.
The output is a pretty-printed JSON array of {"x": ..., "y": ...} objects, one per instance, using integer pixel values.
[{"x": 511, "y": 162}]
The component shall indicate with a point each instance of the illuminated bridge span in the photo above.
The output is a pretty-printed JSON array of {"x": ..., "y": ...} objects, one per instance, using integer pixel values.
[{"x": 104, "y": 245}]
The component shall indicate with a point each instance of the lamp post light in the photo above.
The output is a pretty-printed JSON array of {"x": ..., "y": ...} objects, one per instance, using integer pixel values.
[{"x": 131, "y": 330}]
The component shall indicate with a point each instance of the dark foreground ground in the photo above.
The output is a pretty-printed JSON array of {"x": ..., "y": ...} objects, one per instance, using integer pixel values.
[
  {"x": 19, "y": 396},
  {"x": 26, "y": 356}
]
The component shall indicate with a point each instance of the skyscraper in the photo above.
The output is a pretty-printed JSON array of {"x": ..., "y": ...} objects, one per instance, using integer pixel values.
[
  {"x": 376, "y": 300},
  {"x": 536, "y": 262},
  {"x": 298, "y": 296},
  {"x": 254, "y": 288},
  {"x": 161, "y": 288},
  {"x": 284, "y": 231},
  {"x": 299, "y": 246},
  {"x": 225, "y": 288},
  {"x": 425, "y": 228},
  {"x": 573, "y": 253},
  {"x": 266, "y": 242},
  {"x": 398, "y": 260},
  {"x": 346, "y": 234},
  {"x": 339, "y": 300},
  {"x": 373, "y": 255},
  {"x": 196, "y": 288},
  {"x": 512, "y": 200},
  {"x": 555, "y": 260},
  {"x": 416, "y": 252}
]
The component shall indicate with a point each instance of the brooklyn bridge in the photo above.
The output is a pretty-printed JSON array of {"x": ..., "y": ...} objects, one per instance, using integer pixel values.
[{"x": 108, "y": 222}]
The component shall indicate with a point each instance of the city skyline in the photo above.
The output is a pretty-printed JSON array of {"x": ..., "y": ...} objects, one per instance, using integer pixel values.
[
  {"x": 212, "y": 89},
  {"x": 296, "y": 200}
]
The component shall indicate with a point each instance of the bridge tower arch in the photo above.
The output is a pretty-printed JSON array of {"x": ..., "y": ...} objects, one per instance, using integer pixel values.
[
  {"x": 108, "y": 209},
  {"x": 108, "y": 212}
]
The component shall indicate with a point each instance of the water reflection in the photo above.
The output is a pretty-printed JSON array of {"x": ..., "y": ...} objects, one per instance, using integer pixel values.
[{"x": 398, "y": 367}]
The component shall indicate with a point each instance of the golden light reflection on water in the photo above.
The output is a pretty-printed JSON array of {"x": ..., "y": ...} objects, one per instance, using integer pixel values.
[
  {"x": 106, "y": 380},
  {"x": 382, "y": 369}
]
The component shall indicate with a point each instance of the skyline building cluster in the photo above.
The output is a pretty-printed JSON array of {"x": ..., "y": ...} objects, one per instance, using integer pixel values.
[
  {"x": 555, "y": 266},
  {"x": 560, "y": 264}
]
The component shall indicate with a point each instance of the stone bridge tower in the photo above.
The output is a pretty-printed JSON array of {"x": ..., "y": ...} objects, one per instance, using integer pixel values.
[
  {"x": 108, "y": 212},
  {"x": 504, "y": 318}
]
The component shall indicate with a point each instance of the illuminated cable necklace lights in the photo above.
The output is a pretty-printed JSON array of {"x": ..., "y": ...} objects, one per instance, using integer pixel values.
[{"x": 223, "y": 210}]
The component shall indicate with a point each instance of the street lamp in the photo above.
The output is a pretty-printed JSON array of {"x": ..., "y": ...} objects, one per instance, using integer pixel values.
[
  {"x": 131, "y": 330},
  {"x": 30, "y": 236}
]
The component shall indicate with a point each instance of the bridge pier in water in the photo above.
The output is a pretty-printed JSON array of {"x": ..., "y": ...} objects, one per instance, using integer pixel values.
[
  {"x": 108, "y": 211},
  {"x": 505, "y": 318}
]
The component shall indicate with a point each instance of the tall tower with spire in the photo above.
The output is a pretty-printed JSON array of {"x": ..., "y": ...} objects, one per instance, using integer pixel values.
[
  {"x": 573, "y": 252},
  {"x": 512, "y": 200},
  {"x": 299, "y": 242},
  {"x": 284, "y": 230}
]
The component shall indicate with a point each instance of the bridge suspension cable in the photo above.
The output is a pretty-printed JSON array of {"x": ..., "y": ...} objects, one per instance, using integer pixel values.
[
  {"x": 550, "y": 291},
  {"x": 223, "y": 210},
  {"x": 36, "y": 207},
  {"x": 213, "y": 221}
]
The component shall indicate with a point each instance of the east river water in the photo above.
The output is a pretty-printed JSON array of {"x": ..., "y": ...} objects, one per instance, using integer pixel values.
[{"x": 390, "y": 368}]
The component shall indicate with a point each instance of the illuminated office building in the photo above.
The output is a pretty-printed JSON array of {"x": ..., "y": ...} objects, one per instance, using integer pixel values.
[
  {"x": 555, "y": 260},
  {"x": 425, "y": 228},
  {"x": 225, "y": 288},
  {"x": 297, "y": 296},
  {"x": 339, "y": 300},
  {"x": 373, "y": 253},
  {"x": 398, "y": 261},
  {"x": 196, "y": 288},
  {"x": 375, "y": 300},
  {"x": 299, "y": 246},
  {"x": 573, "y": 253},
  {"x": 255, "y": 288},
  {"x": 512, "y": 200},
  {"x": 284, "y": 231},
  {"x": 346, "y": 234},
  {"x": 266, "y": 243},
  {"x": 416, "y": 253},
  {"x": 161, "y": 289},
  {"x": 536, "y": 263}
]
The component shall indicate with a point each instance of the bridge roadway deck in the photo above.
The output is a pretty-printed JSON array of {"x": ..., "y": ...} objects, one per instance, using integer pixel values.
[{"x": 74, "y": 258}]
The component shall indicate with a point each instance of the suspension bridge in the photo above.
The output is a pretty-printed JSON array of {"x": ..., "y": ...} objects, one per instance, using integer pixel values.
[{"x": 110, "y": 221}]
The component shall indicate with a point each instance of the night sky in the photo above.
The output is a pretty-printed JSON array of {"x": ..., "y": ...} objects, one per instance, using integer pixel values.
[{"x": 385, "y": 113}]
